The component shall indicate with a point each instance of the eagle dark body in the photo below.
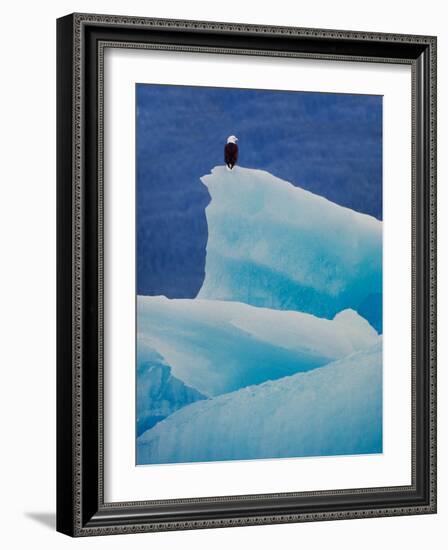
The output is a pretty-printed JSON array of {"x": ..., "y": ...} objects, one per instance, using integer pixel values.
[{"x": 231, "y": 154}]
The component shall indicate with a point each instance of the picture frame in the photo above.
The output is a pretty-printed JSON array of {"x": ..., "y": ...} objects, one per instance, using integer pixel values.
[{"x": 81, "y": 506}]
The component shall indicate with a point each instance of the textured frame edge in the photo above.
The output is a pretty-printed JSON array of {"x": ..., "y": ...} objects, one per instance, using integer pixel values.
[{"x": 79, "y": 20}]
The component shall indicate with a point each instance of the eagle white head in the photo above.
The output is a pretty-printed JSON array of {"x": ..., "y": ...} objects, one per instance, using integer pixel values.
[{"x": 232, "y": 139}]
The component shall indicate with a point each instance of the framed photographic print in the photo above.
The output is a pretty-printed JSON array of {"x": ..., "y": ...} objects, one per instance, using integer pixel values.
[{"x": 246, "y": 274}]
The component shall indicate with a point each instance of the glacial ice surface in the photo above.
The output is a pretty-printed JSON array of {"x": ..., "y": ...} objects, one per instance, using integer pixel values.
[
  {"x": 333, "y": 410},
  {"x": 217, "y": 347},
  {"x": 279, "y": 354},
  {"x": 275, "y": 245},
  {"x": 159, "y": 393}
]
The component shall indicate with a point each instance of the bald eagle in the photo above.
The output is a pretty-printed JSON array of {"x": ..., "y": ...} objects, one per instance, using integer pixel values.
[{"x": 231, "y": 152}]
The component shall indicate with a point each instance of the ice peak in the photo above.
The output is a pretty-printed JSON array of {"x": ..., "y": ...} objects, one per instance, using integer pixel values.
[{"x": 276, "y": 245}]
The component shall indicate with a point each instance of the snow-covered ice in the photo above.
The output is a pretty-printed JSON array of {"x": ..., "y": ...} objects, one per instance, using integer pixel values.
[
  {"x": 333, "y": 410},
  {"x": 275, "y": 245},
  {"x": 218, "y": 347}
]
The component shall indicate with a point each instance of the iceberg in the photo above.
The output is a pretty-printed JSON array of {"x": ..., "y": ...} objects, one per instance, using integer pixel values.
[
  {"x": 279, "y": 355},
  {"x": 159, "y": 393},
  {"x": 216, "y": 347},
  {"x": 278, "y": 246},
  {"x": 333, "y": 410}
]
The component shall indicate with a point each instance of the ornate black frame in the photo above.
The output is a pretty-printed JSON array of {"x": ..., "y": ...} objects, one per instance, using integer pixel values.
[{"x": 81, "y": 39}]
